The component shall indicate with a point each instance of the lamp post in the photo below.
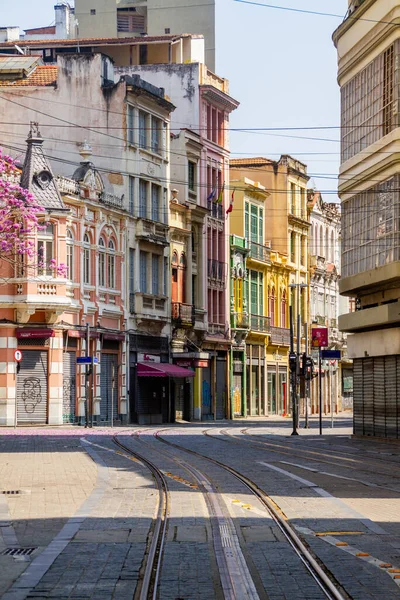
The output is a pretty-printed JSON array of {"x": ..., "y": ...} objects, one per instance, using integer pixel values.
[{"x": 295, "y": 369}]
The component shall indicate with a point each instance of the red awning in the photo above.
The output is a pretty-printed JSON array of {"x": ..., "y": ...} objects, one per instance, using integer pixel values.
[
  {"x": 162, "y": 370},
  {"x": 33, "y": 333}
]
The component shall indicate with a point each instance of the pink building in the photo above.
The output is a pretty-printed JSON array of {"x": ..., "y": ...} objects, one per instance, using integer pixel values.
[{"x": 45, "y": 316}]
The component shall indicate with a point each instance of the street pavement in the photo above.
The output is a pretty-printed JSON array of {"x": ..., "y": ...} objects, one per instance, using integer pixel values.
[{"x": 86, "y": 509}]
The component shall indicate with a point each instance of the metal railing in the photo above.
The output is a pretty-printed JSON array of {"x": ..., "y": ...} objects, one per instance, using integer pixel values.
[
  {"x": 260, "y": 252},
  {"x": 260, "y": 323},
  {"x": 239, "y": 320},
  {"x": 183, "y": 314},
  {"x": 216, "y": 210},
  {"x": 280, "y": 336},
  {"x": 132, "y": 303},
  {"x": 111, "y": 200},
  {"x": 216, "y": 269}
]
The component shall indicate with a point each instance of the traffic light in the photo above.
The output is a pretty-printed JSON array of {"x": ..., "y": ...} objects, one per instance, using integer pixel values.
[
  {"x": 293, "y": 362},
  {"x": 308, "y": 367}
]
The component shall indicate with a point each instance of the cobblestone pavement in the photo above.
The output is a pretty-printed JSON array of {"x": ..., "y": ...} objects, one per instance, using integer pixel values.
[{"x": 87, "y": 510}]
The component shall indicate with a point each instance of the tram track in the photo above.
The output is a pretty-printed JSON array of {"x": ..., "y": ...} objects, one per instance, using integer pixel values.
[
  {"x": 308, "y": 455},
  {"x": 324, "y": 579}
]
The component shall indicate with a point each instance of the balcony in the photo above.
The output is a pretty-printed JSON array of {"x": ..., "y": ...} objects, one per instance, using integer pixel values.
[
  {"x": 280, "y": 336},
  {"x": 111, "y": 200},
  {"x": 239, "y": 320},
  {"x": 183, "y": 315},
  {"x": 216, "y": 273},
  {"x": 216, "y": 329},
  {"x": 67, "y": 186},
  {"x": 216, "y": 210},
  {"x": 260, "y": 252},
  {"x": 260, "y": 323},
  {"x": 152, "y": 231},
  {"x": 148, "y": 306}
]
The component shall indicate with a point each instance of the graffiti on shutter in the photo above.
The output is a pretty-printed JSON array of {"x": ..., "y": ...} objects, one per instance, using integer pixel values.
[
  {"x": 32, "y": 387},
  {"x": 69, "y": 387}
]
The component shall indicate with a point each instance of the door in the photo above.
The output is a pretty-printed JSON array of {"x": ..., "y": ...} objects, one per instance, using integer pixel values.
[
  {"x": 237, "y": 394},
  {"x": 221, "y": 389},
  {"x": 271, "y": 393},
  {"x": 109, "y": 388},
  {"x": 282, "y": 399},
  {"x": 32, "y": 387},
  {"x": 69, "y": 387},
  {"x": 206, "y": 394}
]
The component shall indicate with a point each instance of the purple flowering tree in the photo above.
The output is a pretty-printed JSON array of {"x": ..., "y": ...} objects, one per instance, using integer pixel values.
[{"x": 19, "y": 220}]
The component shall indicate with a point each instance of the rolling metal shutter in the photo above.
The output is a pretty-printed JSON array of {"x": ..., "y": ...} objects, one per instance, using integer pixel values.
[
  {"x": 32, "y": 388},
  {"x": 390, "y": 395},
  {"x": 69, "y": 387},
  {"x": 358, "y": 400},
  {"x": 368, "y": 392},
  {"x": 221, "y": 389},
  {"x": 109, "y": 392},
  {"x": 379, "y": 397}
]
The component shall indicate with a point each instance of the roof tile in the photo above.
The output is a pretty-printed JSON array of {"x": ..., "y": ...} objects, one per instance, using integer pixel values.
[{"x": 42, "y": 76}]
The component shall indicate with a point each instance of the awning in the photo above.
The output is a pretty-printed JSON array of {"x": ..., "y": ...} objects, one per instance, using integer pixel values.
[
  {"x": 162, "y": 370},
  {"x": 33, "y": 333}
]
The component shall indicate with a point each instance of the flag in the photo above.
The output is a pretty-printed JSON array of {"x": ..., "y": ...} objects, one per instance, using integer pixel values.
[
  {"x": 211, "y": 196},
  {"x": 221, "y": 195},
  {"x": 230, "y": 207}
]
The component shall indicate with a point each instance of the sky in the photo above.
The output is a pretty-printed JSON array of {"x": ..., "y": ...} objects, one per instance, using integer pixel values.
[{"x": 282, "y": 69}]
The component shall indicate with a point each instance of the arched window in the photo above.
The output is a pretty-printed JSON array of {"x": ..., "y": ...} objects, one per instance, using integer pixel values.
[
  {"x": 111, "y": 264},
  {"x": 272, "y": 305},
  {"x": 293, "y": 247},
  {"x": 45, "y": 249},
  {"x": 86, "y": 259},
  {"x": 283, "y": 309},
  {"x": 321, "y": 242},
  {"x": 332, "y": 246},
  {"x": 175, "y": 295},
  {"x": 316, "y": 240},
  {"x": 102, "y": 263},
  {"x": 70, "y": 255}
]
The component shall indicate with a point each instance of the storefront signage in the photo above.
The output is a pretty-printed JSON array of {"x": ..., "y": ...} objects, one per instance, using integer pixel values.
[
  {"x": 278, "y": 356},
  {"x": 142, "y": 357},
  {"x": 18, "y": 356},
  {"x": 200, "y": 364},
  {"x": 74, "y": 333},
  {"x": 31, "y": 334},
  {"x": 184, "y": 363},
  {"x": 116, "y": 337},
  {"x": 319, "y": 337}
]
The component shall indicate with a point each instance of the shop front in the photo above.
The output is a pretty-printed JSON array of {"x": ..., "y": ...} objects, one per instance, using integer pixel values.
[{"x": 255, "y": 375}]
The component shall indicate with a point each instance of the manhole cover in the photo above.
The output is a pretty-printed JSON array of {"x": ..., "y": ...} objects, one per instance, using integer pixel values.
[
  {"x": 11, "y": 492},
  {"x": 18, "y": 551}
]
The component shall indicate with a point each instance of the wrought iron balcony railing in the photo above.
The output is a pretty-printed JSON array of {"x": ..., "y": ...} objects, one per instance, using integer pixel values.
[
  {"x": 239, "y": 320},
  {"x": 260, "y": 323},
  {"x": 260, "y": 252},
  {"x": 216, "y": 269},
  {"x": 183, "y": 314},
  {"x": 280, "y": 336}
]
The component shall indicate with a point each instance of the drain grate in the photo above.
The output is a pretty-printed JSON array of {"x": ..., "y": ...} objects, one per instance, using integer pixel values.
[
  {"x": 11, "y": 492},
  {"x": 18, "y": 551}
]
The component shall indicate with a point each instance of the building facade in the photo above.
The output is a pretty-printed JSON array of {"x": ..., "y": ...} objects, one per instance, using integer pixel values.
[{"x": 368, "y": 50}]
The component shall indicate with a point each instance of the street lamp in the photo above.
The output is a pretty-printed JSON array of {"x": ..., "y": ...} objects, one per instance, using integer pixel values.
[{"x": 294, "y": 357}]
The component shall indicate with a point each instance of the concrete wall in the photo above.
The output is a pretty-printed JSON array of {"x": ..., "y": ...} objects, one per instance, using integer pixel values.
[
  {"x": 184, "y": 16},
  {"x": 102, "y": 24}
]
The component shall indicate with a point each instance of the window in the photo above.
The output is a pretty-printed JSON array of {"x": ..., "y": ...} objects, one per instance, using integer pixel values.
[
  {"x": 256, "y": 293},
  {"x": 131, "y": 124},
  {"x": 132, "y": 195},
  {"x": 70, "y": 255},
  {"x": 293, "y": 247},
  {"x": 272, "y": 305},
  {"x": 45, "y": 250},
  {"x": 321, "y": 242},
  {"x": 303, "y": 250},
  {"x": 293, "y": 198},
  {"x": 111, "y": 264},
  {"x": 143, "y": 199},
  {"x": 143, "y": 272},
  {"x": 155, "y": 135},
  {"x": 131, "y": 270},
  {"x": 129, "y": 21},
  {"x": 86, "y": 259},
  {"x": 283, "y": 309},
  {"x": 254, "y": 223},
  {"x": 303, "y": 203},
  {"x": 155, "y": 202},
  {"x": 142, "y": 129},
  {"x": 192, "y": 176},
  {"x": 167, "y": 31},
  {"x": 143, "y": 54},
  {"x": 102, "y": 263},
  {"x": 155, "y": 273},
  {"x": 92, "y": 11}
]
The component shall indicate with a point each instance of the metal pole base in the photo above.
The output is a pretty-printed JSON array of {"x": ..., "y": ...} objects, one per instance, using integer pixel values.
[{"x": 294, "y": 433}]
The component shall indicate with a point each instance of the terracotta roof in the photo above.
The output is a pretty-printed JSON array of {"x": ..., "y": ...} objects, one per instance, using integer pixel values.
[
  {"x": 100, "y": 41},
  {"x": 250, "y": 162},
  {"x": 37, "y": 30},
  {"x": 42, "y": 76}
]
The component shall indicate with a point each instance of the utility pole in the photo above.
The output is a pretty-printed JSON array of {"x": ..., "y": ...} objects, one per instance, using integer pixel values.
[
  {"x": 294, "y": 357},
  {"x": 307, "y": 382},
  {"x": 88, "y": 372},
  {"x": 293, "y": 365}
]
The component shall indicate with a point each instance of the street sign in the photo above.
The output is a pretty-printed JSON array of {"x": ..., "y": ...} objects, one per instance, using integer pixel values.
[
  {"x": 319, "y": 337},
  {"x": 18, "y": 356},
  {"x": 331, "y": 354},
  {"x": 87, "y": 360}
]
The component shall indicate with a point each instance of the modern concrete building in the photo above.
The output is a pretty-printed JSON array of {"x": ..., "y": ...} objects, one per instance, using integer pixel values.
[
  {"x": 128, "y": 18},
  {"x": 368, "y": 44}
]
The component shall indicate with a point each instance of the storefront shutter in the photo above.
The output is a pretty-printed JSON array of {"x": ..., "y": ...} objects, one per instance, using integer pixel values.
[
  {"x": 32, "y": 388},
  {"x": 109, "y": 392},
  {"x": 69, "y": 387}
]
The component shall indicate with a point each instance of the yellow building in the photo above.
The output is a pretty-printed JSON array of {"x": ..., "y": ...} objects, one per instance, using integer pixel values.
[{"x": 263, "y": 305}]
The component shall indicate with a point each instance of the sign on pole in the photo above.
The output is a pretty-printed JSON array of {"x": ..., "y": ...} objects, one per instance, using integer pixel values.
[
  {"x": 319, "y": 337},
  {"x": 331, "y": 355},
  {"x": 18, "y": 356},
  {"x": 87, "y": 360}
]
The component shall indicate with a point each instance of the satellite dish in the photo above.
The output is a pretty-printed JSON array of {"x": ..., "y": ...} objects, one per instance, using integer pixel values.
[{"x": 19, "y": 49}]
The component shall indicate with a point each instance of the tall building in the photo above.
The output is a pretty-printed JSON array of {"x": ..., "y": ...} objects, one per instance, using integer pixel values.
[{"x": 368, "y": 44}]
